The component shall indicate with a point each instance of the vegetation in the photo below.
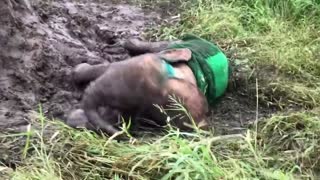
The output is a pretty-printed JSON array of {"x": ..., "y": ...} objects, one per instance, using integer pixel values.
[{"x": 278, "y": 41}]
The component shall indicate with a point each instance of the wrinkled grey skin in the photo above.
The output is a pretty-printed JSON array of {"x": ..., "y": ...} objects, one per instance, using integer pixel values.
[{"x": 128, "y": 88}]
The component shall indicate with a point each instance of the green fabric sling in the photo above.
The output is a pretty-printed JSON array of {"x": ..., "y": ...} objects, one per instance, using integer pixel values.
[{"x": 209, "y": 65}]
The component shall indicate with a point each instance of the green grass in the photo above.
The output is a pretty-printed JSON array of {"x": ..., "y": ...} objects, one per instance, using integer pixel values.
[
  {"x": 278, "y": 43},
  {"x": 285, "y": 147}
]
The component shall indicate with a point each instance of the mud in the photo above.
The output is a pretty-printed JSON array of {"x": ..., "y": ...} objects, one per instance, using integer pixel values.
[{"x": 42, "y": 40}]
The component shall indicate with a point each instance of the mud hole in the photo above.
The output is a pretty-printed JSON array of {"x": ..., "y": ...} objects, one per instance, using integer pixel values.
[{"x": 41, "y": 41}]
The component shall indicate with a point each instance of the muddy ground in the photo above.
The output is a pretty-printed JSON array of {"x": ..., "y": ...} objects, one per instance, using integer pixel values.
[{"x": 41, "y": 41}]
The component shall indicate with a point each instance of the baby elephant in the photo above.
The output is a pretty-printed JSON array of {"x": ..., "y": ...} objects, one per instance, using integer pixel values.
[{"x": 132, "y": 87}]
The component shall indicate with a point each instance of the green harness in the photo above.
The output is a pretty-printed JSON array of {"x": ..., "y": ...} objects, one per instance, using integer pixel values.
[{"x": 209, "y": 65}]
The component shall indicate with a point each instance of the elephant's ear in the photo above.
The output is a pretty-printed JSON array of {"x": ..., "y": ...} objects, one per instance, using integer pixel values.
[{"x": 175, "y": 55}]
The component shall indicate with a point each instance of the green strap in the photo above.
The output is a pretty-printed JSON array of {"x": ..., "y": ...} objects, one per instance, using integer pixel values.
[
  {"x": 170, "y": 72},
  {"x": 209, "y": 65},
  {"x": 219, "y": 65}
]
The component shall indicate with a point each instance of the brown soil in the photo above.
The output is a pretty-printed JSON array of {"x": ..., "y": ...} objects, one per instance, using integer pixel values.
[{"x": 41, "y": 41}]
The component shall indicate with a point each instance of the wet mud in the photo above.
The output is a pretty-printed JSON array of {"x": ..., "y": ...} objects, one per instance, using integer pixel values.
[{"x": 42, "y": 40}]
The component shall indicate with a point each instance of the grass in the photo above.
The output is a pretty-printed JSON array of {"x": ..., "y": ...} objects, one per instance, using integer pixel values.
[
  {"x": 285, "y": 147},
  {"x": 278, "y": 43}
]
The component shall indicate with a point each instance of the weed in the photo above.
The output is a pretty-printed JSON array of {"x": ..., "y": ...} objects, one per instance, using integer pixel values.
[{"x": 282, "y": 147}]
